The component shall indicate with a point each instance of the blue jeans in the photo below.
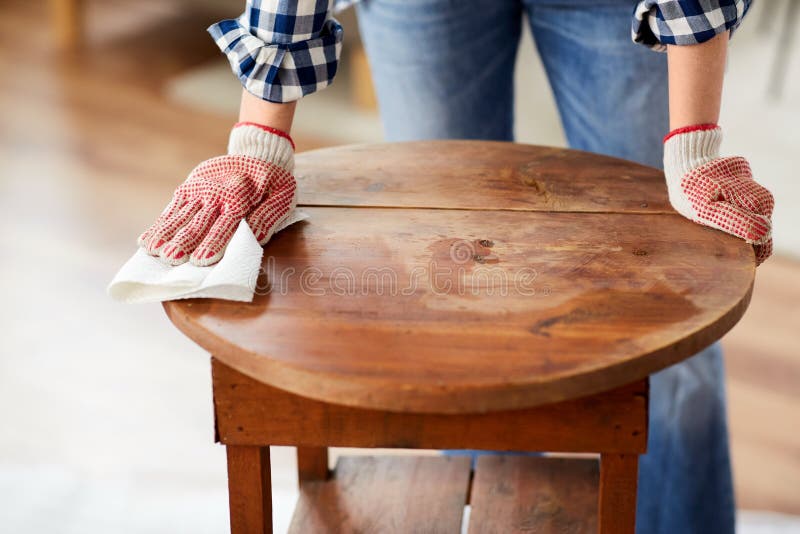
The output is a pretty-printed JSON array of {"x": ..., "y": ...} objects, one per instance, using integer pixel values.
[{"x": 444, "y": 69}]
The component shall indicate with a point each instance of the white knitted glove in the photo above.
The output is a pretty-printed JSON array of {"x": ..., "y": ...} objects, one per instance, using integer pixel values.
[
  {"x": 253, "y": 181},
  {"x": 715, "y": 191}
]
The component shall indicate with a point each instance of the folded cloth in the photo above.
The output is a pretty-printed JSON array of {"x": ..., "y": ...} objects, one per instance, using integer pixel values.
[{"x": 145, "y": 278}]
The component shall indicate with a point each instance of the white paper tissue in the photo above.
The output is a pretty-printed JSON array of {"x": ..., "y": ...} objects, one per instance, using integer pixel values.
[{"x": 145, "y": 278}]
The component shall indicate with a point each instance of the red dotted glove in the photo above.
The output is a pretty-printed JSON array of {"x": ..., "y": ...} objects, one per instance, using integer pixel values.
[
  {"x": 254, "y": 181},
  {"x": 715, "y": 191}
]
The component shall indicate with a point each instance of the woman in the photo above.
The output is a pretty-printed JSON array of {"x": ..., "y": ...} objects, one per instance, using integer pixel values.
[{"x": 444, "y": 69}]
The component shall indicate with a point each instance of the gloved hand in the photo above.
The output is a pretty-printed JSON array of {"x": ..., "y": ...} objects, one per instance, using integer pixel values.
[
  {"x": 253, "y": 181},
  {"x": 715, "y": 191}
]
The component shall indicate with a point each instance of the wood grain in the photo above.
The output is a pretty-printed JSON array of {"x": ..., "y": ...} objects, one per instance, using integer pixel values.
[
  {"x": 249, "y": 412},
  {"x": 386, "y": 494},
  {"x": 249, "y": 489},
  {"x": 432, "y": 310},
  {"x": 617, "y": 499},
  {"x": 520, "y": 494},
  {"x": 478, "y": 175}
]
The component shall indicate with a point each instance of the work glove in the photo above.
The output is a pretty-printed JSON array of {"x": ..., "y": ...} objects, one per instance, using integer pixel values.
[
  {"x": 253, "y": 182},
  {"x": 717, "y": 191}
]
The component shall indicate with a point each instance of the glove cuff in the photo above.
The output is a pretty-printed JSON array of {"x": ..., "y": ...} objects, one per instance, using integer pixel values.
[
  {"x": 688, "y": 148},
  {"x": 262, "y": 142}
]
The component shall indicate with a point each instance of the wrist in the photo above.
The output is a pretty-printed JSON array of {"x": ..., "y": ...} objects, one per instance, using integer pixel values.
[
  {"x": 690, "y": 147},
  {"x": 262, "y": 142},
  {"x": 278, "y": 115}
]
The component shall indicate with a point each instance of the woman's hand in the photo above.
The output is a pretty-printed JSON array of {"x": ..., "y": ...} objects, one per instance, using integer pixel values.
[
  {"x": 715, "y": 191},
  {"x": 254, "y": 181}
]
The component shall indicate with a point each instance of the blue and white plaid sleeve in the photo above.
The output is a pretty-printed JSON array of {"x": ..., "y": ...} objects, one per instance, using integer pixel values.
[
  {"x": 658, "y": 23},
  {"x": 282, "y": 50}
]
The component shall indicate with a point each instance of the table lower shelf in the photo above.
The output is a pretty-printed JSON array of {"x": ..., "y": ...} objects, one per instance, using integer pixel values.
[{"x": 399, "y": 494}]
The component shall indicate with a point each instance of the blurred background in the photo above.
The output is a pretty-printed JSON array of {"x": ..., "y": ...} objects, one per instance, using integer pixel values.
[{"x": 106, "y": 420}]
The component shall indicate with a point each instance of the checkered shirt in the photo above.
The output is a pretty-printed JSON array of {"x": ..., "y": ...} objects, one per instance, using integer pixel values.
[
  {"x": 658, "y": 23},
  {"x": 282, "y": 50}
]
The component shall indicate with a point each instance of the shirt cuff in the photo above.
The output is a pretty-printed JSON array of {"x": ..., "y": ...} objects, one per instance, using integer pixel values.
[
  {"x": 280, "y": 72},
  {"x": 658, "y": 23}
]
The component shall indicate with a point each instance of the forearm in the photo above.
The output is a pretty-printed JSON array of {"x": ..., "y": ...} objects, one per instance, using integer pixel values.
[
  {"x": 695, "y": 81},
  {"x": 278, "y": 116},
  {"x": 702, "y": 185}
]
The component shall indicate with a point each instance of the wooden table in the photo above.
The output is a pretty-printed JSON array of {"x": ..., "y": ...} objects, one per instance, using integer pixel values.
[{"x": 462, "y": 294}]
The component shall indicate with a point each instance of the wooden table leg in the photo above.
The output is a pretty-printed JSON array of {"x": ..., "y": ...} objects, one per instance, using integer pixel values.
[
  {"x": 249, "y": 489},
  {"x": 312, "y": 463},
  {"x": 614, "y": 421},
  {"x": 617, "y": 498}
]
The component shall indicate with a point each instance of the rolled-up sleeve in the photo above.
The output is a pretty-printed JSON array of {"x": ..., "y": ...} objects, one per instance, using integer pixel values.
[
  {"x": 658, "y": 23},
  {"x": 282, "y": 50}
]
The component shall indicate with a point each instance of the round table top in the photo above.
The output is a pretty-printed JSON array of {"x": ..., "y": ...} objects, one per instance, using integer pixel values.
[{"x": 466, "y": 276}]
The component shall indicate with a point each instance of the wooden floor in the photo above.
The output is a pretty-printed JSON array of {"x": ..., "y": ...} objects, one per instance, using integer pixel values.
[
  {"x": 90, "y": 151},
  {"x": 763, "y": 367}
]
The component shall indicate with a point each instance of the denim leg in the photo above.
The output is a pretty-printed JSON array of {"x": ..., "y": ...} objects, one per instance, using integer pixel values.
[
  {"x": 611, "y": 94},
  {"x": 443, "y": 69},
  {"x": 612, "y": 97},
  {"x": 685, "y": 482}
]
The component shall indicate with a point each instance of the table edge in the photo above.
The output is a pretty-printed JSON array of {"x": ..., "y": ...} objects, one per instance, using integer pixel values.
[{"x": 362, "y": 393}]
